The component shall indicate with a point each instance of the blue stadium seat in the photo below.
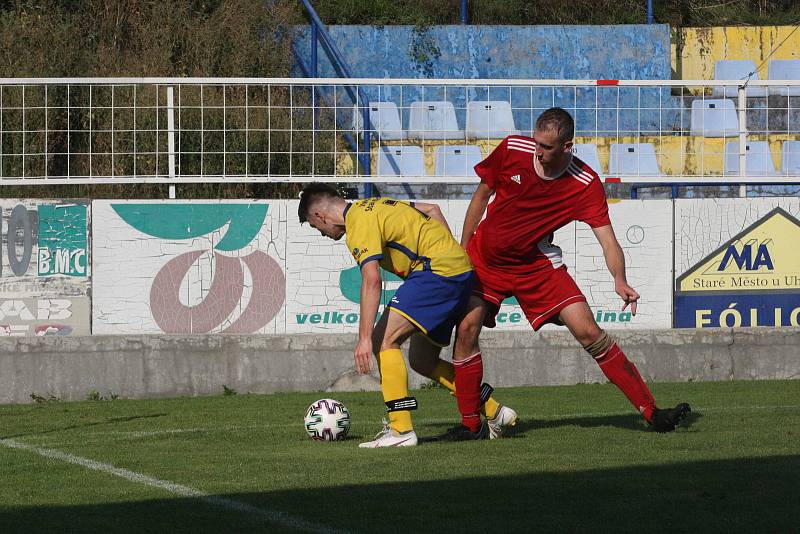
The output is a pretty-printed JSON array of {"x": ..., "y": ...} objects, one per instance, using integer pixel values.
[
  {"x": 634, "y": 159},
  {"x": 758, "y": 160},
  {"x": 385, "y": 119},
  {"x": 736, "y": 69},
  {"x": 490, "y": 120},
  {"x": 714, "y": 118},
  {"x": 790, "y": 158},
  {"x": 588, "y": 154},
  {"x": 784, "y": 69},
  {"x": 401, "y": 161},
  {"x": 433, "y": 120},
  {"x": 454, "y": 160}
]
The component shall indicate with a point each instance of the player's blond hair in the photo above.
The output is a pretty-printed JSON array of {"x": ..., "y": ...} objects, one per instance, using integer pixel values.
[{"x": 558, "y": 120}]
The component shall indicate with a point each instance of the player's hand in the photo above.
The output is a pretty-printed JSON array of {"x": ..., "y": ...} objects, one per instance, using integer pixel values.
[
  {"x": 363, "y": 356},
  {"x": 628, "y": 294}
]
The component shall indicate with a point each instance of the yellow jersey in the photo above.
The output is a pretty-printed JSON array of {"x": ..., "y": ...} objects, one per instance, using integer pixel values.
[{"x": 402, "y": 239}]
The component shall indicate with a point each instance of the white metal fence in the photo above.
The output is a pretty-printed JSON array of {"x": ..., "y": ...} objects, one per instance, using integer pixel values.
[{"x": 118, "y": 130}]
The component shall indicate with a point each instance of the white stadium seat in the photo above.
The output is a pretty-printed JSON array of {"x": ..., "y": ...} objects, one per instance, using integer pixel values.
[
  {"x": 736, "y": 69},
  {"x": 784, "y": 69},
  {"x": 634, "y": 159},
  {"x": 587, "y": 153},
  {"x": 457, "y": 160},
  {"x": 758, "y": 159},
  {"x": 433, "y": 120},
  {"x": 385, "y": 119},
  {"x": 490, "y": 120},
  {"x": 401, "y": 161},
  {"x": 790, "y": 158},
  {"x": 714, "y": 118}
]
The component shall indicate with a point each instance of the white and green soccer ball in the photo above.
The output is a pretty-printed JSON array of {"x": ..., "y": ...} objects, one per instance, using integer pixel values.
[{"x": 327, "y": 420}]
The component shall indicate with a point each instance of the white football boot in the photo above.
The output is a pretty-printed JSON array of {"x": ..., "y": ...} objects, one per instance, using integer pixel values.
[
  {"x": 389, "y": 438},
  {"x": 504, "y": 419}
]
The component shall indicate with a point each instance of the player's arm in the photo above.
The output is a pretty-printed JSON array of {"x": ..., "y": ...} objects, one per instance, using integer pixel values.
[
  {"x": 433, "y": 211},
  {"x": 475, "y": 211},
  {"x": 370, "y": 298},
  {"x": 615, "y": 260}
]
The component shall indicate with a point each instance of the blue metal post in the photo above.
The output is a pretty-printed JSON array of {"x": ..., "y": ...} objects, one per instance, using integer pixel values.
[
  {"x": 649, "y": 11},
  {"x": 464, "y": 12},
  {"x": 314, "y": 74},
  {"x": 313, "y": 50},
  {"x": 340, "y": 66}
]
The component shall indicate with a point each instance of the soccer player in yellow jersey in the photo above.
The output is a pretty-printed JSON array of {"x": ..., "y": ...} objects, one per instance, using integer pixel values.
[{"x": 413, "y": 241}]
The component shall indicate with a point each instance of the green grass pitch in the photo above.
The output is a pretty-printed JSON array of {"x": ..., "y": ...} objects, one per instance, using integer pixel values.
[{"x": 580, "y": 460}]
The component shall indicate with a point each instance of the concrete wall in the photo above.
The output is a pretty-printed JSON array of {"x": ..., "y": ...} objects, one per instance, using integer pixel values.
[
  {"x": 162, "y": 366},
  {"x": 628, "y": 51},
  {"x": 694, "y": 50},
  {"x": 516, "y": 52}
]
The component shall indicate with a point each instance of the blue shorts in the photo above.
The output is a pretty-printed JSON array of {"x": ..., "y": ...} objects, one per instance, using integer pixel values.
[{"x": 434, "y": 303}]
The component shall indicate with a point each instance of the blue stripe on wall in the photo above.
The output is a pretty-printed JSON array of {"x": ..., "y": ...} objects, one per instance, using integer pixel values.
[{"x": 518, "y": 52}]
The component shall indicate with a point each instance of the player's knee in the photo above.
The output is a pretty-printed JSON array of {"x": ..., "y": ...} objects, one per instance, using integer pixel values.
[
  {"x": 384, "y": 343},
  {"x": 599, "y": 344},
  {"x": 469, "y": 330},
  {"x": 588, "y": 333}
]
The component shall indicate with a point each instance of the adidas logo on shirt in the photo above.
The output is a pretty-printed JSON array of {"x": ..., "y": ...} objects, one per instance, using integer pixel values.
[{"x": 516, "y": 178}]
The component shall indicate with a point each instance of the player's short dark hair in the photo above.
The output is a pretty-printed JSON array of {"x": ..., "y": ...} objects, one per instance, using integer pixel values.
[
  {"x": 312, "y": 193},
  {"x": 559, "y": 120}
]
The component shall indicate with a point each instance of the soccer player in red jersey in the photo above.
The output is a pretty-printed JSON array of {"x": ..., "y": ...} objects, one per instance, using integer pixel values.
[{"x": 538, "y": 187}]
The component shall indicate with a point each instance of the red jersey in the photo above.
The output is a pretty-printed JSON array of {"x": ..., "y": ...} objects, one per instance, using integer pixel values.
[{"x": 517, "y": 231}]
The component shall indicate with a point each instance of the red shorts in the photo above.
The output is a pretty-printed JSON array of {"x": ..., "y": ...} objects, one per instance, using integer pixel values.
[{"x": 541, "y": 294}]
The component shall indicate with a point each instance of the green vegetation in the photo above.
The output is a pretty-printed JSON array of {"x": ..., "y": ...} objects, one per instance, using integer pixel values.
[
  {"x": 528, "y": 12},
  {"x": 133, "y": 38},
  {"x": 581, "y": 460}
]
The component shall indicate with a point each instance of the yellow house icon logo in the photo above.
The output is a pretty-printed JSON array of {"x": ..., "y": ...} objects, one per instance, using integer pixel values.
[
  {"x": 764, "y": 256},
  {"x": 751, "y": 280}
]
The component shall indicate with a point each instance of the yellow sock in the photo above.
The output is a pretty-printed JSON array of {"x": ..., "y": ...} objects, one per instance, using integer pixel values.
[
  {"x": 446, "y": 376},
  {"x": 394, "y": 385},
  {"x": 490, "y": 408}
]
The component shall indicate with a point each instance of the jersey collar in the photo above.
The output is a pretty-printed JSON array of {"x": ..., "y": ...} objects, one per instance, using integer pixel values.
[{"x": 550, "y": 178}]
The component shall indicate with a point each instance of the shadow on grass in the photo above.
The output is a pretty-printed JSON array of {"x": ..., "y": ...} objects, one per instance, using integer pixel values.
[
  {"x": 107, "y": 421},
  {"x": 753, "y": 494},
  {"x": 630, "y": 422},
  {"x": 524, "y": 426}
]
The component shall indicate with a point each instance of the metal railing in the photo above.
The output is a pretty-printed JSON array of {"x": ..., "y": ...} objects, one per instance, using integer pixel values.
[{"x": 180, "y": 130}]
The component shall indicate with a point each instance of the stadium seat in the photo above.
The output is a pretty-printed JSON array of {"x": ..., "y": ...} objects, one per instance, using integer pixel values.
[
  {"x": 634, "y": 159},
  {"x": 433, "y": 120},
  {"x": 714, "y": 118},
  {"x": 758, "y": 159},
  {"x": 401, "y": 161},
  {"x": 588, "y": 154},
  {"x": 736, "y": 69},
  {"x": 385, "y": 119},
  {"x": 784, "y": 69},
  {"x": 457, "y": 160},
  {"x": 490, "y": 120},
  {"x": 790, "y": 158}
]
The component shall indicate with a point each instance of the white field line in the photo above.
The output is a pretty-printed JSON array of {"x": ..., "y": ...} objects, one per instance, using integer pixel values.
[{"x": 180, "y": 490}]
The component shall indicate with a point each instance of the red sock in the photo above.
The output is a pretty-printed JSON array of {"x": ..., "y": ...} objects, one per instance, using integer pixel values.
[
  {"x": 469, "y": 375},
  {"x": 623, "y": 374}
]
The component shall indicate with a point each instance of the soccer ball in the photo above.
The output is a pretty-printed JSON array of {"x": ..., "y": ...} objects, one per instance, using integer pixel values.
[{"x": 327, "y": 420}]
